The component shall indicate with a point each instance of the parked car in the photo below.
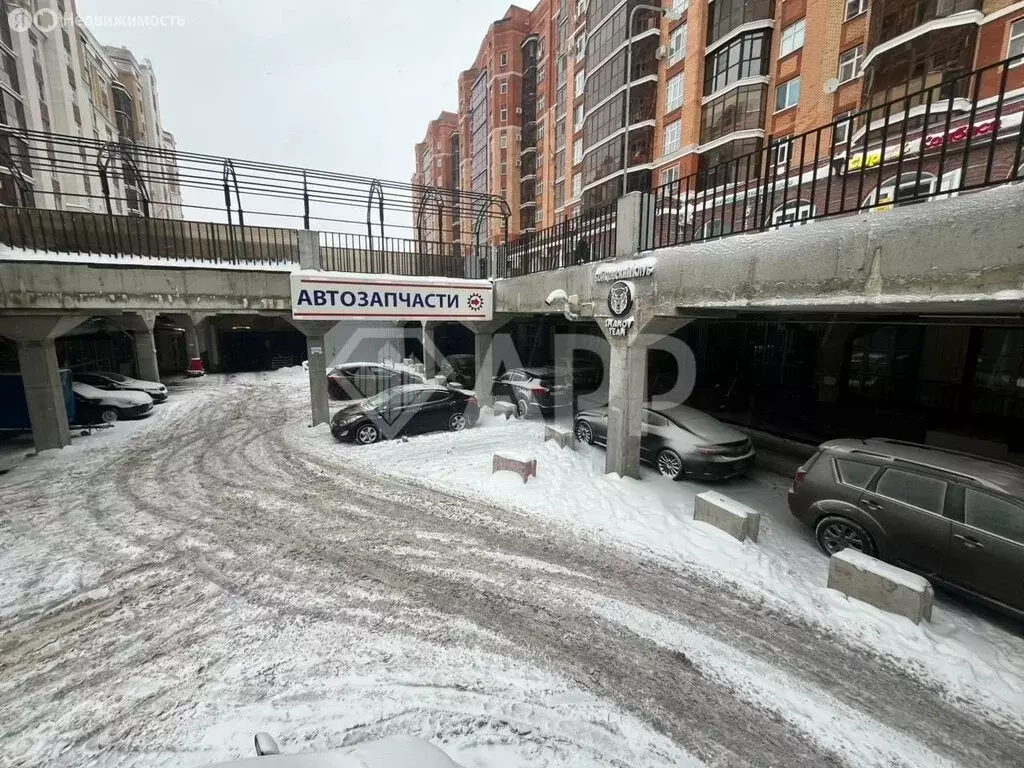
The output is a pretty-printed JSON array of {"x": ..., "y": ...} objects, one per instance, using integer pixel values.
[
  {"x": 679, "y": 442},
  {"x": 93, "y": 406},
  {"x": 534, "y": 390},
  {"x": 955, "y": 518},
  {"x": 116, "y": 382},
  {"x": 405, "y": 410},
  {"x": 355, "y": 381}
]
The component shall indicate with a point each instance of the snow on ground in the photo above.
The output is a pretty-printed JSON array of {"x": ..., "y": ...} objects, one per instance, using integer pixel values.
[
  {"x": 173, "y": 585},
  {"x": 959, "y": 648}
]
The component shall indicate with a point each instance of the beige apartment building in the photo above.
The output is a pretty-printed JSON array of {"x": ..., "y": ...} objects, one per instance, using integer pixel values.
[
  {"x": 57, "y": 78},
  {"x": 542, "y": 112}
]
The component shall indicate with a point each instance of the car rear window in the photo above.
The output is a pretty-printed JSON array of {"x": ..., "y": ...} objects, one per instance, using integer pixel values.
[
  {"x": 855, "y": 473},
  {"x": 913, "y": 489}
]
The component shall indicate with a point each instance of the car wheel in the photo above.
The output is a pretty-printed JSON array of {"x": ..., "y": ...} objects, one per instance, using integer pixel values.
[
  {"x": 584, "y": 432},
  {"x": 669, "y": 464},
  {"x": 834, "y": 534},
  {"x": 109, "y": 415},
  {"x": 367, "y": 434},
  {"x": 458, "y": 422},
  {"x": 522, "y": 408}
]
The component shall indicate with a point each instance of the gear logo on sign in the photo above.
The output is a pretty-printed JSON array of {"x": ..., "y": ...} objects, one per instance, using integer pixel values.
[
  {"x": 476, "y": 302},
  {"x": 620, "y": 298}
]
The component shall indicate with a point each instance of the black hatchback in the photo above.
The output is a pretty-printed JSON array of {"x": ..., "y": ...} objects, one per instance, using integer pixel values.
[{"x": 407, "y": 410}]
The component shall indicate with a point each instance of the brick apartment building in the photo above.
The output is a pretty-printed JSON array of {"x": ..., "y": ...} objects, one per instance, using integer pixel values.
[{"x": 541, "y": 118}]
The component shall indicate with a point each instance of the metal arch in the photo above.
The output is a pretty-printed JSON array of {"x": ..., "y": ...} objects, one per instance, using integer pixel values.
[
  {"x": 434, "y": 193},
  {"x": 378, "y": 187},
  {"x": 103, "y": 157},
  {"x": 503, "y": 207},
  {"x": 19, "y": 182},
  {"x": 231, "y": 178}
]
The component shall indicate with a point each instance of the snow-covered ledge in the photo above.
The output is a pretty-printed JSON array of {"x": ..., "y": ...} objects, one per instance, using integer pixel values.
[{"x": 884, "y": 586}]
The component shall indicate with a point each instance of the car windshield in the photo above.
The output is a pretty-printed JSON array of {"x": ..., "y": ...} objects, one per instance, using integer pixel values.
[
  {"x": 113, "y": 377},
  {"x": 381, "y": 399}
]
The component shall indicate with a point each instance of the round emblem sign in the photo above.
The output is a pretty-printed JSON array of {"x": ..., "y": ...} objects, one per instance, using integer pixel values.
[{"x": 620, "y": 298}]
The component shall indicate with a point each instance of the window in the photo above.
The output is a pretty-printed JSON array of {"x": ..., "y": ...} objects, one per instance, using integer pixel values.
[
  {"x": 1016, "y": 47},
  {"x": 677, "y": 46},
  {"x": 925, "y": 493},
  {"x": 855, "y": 473},
  {"x": 581, "y": 81},
  {"x": 577, "y": 152},
  {"x": 841, "y": 132},
  {"x": 744, "y": 56},
  {"x": 780, "y": 152},
  {"x": 504, "y": 140},
  {"x": 503, "y": 87},
  {"x": 504, "y": 114},
  {"x": 994, "y": 515},
  {"x": 855, "y": 8},
  {"x": 503, "y": 58},
  {"x": 540, "y": 104},
  {"x": 787, "y": 94},
  {"x": 577, "y": 184},
  {"x": 674, "y": 93},
  {"x": 680, "y": 6},
  {"x": 671, "y": 138},
  {"x": 849, "y": 64},
  {"x": 581, "y": 46},
  {"x": 440, "y": 162},
  {"x": 577, "y": 120},
  {"x": 654, "y": 419},
  {"x": 740, "y": 109},
  {"x": 716, "y": 228},
  {"x": 792, "y": 38},
  {"x": 504, "y": 168},
  {"x": 670, "y": 175}
]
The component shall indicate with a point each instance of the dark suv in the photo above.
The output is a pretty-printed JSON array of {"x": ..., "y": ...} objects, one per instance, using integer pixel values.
[{"x": 955, "y": 518}]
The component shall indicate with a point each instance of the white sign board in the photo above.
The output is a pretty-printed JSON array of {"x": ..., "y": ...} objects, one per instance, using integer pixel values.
[{"x": 343, "y": 295}]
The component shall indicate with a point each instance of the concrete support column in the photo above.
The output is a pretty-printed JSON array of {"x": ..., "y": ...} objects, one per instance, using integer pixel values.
[
  {"x": 210, "y": 344},
  {"x": 37, "y": 355},
  {"x": 316, "y": 356},
  {"x": 431, "y": 355},
  {"x": 319, "y": 399},
  {"x": 146, "y": 366},
  {"x": 626, "y": 379},
  {"x": 634, "y": 224},
  {"x": 309, "y": 249},
  {"x": 485, "y": 357},
  {"x": 44, "y": 394}
]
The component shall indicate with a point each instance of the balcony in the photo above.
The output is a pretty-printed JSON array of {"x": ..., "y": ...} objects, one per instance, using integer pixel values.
[{"x": 898, "y": 22}]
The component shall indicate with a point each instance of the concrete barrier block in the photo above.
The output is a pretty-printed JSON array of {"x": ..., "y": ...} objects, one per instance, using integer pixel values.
[
  {"x": 561, "y": 435},
  {"x": 738, "y": 520},
  {"x": 501, "y": 408},
  {"x": 525, "y": 468},
  {"x": 884, "y": 586}
]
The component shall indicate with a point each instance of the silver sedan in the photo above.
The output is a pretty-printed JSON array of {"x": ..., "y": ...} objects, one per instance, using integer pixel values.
[{"x": 679, "y": 442}]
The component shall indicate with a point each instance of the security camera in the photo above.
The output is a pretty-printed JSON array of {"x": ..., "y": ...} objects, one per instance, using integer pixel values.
[{"x": 556, "y": 295}]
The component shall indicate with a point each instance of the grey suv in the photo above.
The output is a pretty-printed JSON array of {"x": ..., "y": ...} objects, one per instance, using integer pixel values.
[{"x": 955, "y": 518}]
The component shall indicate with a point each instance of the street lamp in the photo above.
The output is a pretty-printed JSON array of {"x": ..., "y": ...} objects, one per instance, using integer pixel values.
[{"x": 669, "y": 14}]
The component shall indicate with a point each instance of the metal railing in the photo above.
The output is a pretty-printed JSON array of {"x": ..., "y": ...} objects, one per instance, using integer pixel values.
[
  {"x": 174, "y": 240},
  {"x": 399, "y": 256},
  {"x": 910, "y": 150},
  {"x": 587, "y": 237}
]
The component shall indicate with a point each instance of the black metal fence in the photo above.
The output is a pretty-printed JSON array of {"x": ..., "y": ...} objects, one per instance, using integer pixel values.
[
  {"x": 961, "y": 135},
  {"x": 590, "y": 236},
  {"x": 124, "y": 237}
]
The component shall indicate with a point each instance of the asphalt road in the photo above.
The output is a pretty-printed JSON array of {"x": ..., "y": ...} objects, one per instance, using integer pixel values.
[{"x": 209, "y": 536}]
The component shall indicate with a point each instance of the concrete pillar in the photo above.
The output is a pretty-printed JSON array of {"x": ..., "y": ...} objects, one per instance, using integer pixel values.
[
  {"x": 431, "y": 355},
  {"x": 485, "y": 357},
  {"x": 309, "y": 249},
  {"x": 146, "y": 366},
  {"x": 634, "y": 224},
  {"x": 319, "y": 400},
  {"x": 37, "y": 356},
  {"x": 626, "y": 378},
  {"x": 211, "y": 344},
  {"x": 44, "y": 394}
]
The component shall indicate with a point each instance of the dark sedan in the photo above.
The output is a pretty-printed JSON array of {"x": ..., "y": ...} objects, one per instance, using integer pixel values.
[
  {"x": 407, "y": 410},
  {"x": 679, "y": 442}
]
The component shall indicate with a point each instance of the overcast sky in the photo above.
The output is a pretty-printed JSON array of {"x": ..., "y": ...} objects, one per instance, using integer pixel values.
[{"x": 342, "y": 85}]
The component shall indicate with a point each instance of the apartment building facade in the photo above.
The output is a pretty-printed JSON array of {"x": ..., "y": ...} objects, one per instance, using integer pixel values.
[
  {"x": 710, "y": 86},
  {"x": 70, "y": 84},
  {"x": 436, "y": 183}
]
